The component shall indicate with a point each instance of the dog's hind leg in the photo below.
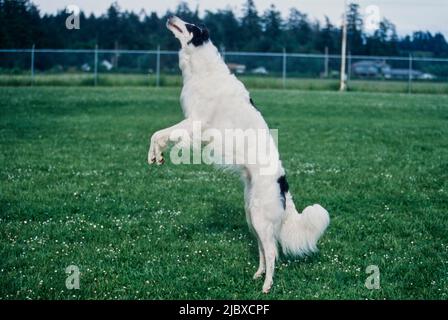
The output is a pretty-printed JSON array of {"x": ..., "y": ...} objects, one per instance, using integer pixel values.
[
  {"x": 265, "y": 233},
  {"x": 247, "y": 195},
  {"x": 262, "y": 261},
  {"x": 266, "y": 213}
]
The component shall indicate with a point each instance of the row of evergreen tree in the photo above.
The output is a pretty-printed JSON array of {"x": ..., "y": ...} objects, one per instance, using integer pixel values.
[{"x": 22, "y": 25}]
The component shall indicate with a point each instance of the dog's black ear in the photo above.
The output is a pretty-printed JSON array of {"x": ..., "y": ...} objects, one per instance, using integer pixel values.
[
  {"x": 200, "y": 35},
  {"x": 205, "y": 34}
]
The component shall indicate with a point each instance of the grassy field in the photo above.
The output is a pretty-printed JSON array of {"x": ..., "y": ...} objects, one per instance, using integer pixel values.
[
  {"x": 76, "y": 190},
  {"x": 254, "y": 82}
]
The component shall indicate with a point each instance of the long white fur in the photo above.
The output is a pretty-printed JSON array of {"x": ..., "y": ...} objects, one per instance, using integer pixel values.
[{"x": 216, "y": 98}]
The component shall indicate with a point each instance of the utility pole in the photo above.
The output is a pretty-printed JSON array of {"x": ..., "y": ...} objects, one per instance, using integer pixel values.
[{"x": 343, "y": 86}]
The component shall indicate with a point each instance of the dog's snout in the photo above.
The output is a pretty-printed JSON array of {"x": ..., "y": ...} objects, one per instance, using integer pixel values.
[
  {"x": 174, "y": 22},
  {"x": 171, "y": 19}
]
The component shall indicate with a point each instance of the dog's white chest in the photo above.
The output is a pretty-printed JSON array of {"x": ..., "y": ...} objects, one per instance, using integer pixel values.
[{"x": 197, "y": 99}]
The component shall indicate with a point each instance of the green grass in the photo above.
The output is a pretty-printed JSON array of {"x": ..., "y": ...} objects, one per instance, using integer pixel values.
[
  {"x": 76, "y": 189},
  {"x": 254, "y": 82}
]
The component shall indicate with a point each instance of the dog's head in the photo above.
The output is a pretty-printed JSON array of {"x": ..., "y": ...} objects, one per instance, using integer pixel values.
[{"x": 187, "y": 33}]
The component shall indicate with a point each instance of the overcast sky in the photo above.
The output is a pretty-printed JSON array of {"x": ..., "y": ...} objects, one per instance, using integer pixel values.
[{"x": 408, "y": 15}]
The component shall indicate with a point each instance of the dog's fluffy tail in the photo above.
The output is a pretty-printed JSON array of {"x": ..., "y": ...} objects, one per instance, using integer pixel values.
[{"x": 299, "y": 233}]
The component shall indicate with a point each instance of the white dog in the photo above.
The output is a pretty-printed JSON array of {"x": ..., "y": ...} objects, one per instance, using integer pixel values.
[{"x": 215, "y": 98}]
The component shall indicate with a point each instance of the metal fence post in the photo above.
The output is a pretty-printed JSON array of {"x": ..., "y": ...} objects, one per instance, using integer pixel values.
[
  {"x": 410, "y": 75},
  {"x": 284, "y": 68},
  {"x": 32, "y": 63},
  {"x": 326, "y": 63},
  {"x": 349, "y": 68},
  {"x": 158, "y": 68},
  {"x": 223, "y": 53},
  {"x": 95, "y": 80}
]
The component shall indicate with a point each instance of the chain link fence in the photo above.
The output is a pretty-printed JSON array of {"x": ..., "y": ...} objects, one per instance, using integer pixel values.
[{"x": 97, "y": 67}]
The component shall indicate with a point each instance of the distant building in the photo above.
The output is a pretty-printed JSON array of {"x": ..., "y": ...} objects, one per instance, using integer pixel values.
[
  {"x": 260, "y": 70},
  {"x": 402, "y": 74},
  {"x": 236, "y": 68},
  {"x": 380, "y": 69},
  {"x": 369, "y": 68}
]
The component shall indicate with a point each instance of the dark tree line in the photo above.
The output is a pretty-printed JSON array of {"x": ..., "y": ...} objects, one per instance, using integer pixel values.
[{"x": 22, "y": 25}]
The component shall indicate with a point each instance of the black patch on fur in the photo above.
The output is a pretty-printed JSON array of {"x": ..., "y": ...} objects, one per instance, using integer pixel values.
[
  {"x": 253, "y": 104},
  {"x": 284, "y": 188},
  {"x": 200, "y": 35}
]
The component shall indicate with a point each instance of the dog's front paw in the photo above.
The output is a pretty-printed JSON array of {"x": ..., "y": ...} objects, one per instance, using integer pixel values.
[
  {"x": 155, "y": 158},
  {"x": 151, "y": 156},
  {"x": 155, "y": 154},
  {"x": 267, "y": 286},
  {"x": 160, "y": 159}
]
